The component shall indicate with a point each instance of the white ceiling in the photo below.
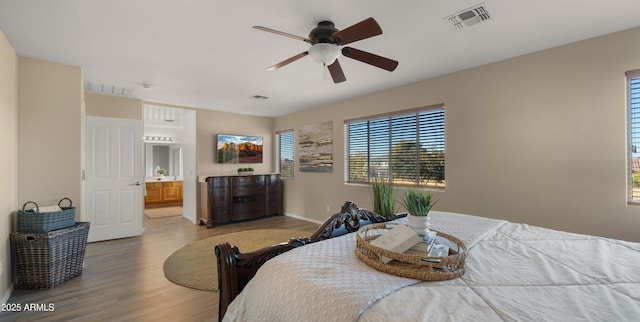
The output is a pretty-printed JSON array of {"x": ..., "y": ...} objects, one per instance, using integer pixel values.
[
  {"x": 205, "y": 53},
  {"x": 164, "y": 121}
]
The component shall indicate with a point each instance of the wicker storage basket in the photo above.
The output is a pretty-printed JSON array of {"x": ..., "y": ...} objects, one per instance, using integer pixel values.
[
  {"x": 49, "y": 259},
  {"x": 34, "y": 221},
  {"x": 411, "y": 266}
]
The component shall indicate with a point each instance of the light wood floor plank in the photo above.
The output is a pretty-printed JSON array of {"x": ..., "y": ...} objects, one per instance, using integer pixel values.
[{"x": 123, "y": 279}]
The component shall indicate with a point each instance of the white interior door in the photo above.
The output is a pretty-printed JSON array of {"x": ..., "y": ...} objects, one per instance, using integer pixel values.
[{"x": 114, "y": 188}]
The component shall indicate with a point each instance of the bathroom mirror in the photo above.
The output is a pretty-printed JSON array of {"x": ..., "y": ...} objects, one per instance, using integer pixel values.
[{"x": 164, "y": 156}]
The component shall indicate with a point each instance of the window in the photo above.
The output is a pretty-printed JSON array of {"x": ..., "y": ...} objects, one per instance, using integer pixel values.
[
  {"x": 633, "y": 115},
  {"x": 285, "y": 153},
  {"x": 406, "y": 147}
]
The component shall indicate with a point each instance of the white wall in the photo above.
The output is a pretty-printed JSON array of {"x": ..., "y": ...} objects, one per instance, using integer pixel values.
[
  {"x": 539, "y": 139},
  {"x": 210, "y": 123},
  {"x": 50, "y": 133},
  {"x": 8, "y": 158}
]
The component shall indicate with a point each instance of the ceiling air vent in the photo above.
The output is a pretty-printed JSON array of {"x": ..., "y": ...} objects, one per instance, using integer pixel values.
[
  {"x": 109, "y": 89},
  {"x": 469, "y": 17}
]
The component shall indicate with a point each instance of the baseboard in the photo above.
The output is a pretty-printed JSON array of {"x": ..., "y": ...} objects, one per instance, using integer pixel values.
[
  {"x": 7, "y": 294},
  {"x": 304, "y": 218}
]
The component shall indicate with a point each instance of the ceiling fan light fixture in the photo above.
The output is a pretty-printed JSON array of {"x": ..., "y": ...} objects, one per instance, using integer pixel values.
[
  {"x": 327, "y": 45},
  {"x": 324, "y": 53}
]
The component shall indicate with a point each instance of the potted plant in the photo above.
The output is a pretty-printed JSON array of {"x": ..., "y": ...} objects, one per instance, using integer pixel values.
[
  {"x": 418, "y": 204},
  {"x": 383, "y": 201},
  {"x": 245, "y": 171}
]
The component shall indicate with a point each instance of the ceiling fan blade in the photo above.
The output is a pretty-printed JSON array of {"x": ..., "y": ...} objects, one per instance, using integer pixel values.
[
  {"x": 282, "y": 33},
  {"x": 369, "y": 58},
  {"x": 288, "y": 61},
  {"x": 363, "y": 29},
  {"x": 336, "y": 72}
]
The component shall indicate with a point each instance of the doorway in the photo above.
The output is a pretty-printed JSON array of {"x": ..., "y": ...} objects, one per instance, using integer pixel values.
[{"x": 169, "y": 145}]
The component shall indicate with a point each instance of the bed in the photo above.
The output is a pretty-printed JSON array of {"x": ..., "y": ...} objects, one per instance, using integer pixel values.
[{"x": 514, "y": 272}]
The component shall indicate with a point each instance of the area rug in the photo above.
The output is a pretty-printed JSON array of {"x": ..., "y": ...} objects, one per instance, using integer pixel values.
[
  {"x": 153, "y": 213},
  {"x": 195, "y": 265}
]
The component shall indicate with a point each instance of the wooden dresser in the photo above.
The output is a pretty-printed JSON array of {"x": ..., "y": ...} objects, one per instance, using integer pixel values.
[
  {"x": 224, "y": 199},
  {"x": 163, "y": 193}
]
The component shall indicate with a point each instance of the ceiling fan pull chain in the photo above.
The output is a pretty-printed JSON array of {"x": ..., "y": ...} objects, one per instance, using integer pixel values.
[{"x": 324, "y": 68}]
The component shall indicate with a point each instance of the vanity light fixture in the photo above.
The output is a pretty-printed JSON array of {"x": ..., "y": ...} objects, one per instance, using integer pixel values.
[{"x": 159, "y": 138}]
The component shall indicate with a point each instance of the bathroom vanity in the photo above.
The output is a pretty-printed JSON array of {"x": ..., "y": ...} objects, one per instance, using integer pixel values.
[{"x": 163, "y": 193}]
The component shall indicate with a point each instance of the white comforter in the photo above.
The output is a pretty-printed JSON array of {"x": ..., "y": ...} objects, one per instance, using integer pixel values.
[{"x": 514, "y": 272}]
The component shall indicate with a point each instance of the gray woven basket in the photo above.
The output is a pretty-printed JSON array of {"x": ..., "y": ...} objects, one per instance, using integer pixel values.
[
  {"x": 49, "y": 259},
  {"x": 34, "y": 221}
]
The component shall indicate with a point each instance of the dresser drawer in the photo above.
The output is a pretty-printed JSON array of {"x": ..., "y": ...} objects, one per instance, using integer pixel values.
[
  {"x": 247, "y": 185},
  {"x": 242, "y": 211},
  {"x": 219, "y": 182}
]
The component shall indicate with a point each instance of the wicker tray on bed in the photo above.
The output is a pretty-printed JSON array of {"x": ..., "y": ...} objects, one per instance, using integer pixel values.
[{"x": 411, "y": 266}]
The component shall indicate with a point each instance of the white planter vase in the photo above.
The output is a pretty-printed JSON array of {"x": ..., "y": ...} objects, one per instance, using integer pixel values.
[{"x": 419, "y": 224}]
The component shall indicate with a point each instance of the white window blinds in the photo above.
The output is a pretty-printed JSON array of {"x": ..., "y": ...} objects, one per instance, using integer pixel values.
[
  {"x": 406, "y": 147},
  {"x": 633, "y": 112},
  {"x": 285, "y": 153}
]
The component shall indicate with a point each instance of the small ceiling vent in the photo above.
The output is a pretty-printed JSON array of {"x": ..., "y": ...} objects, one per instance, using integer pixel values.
[
  {"x": 469, "y": 17},
  {"x": 108, "y": 89}
]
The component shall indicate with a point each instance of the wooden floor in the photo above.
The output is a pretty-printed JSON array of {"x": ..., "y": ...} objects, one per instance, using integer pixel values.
[{"x": 123, "y": 279}]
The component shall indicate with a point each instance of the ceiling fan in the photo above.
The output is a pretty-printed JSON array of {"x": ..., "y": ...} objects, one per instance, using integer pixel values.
[{"x": 326, "y": 40}]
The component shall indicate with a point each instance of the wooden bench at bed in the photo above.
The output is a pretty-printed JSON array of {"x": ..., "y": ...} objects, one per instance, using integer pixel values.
[{"x": 235, "y": 269}]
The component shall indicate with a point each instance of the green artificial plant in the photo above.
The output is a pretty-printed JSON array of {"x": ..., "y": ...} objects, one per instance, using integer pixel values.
[
  {"x": 418, "y": 203},
  {"x": 383, "y": 201}
]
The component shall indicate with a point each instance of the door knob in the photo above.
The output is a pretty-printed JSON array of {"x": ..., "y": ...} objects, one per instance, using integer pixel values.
[{"x": 136, "y": 184}]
